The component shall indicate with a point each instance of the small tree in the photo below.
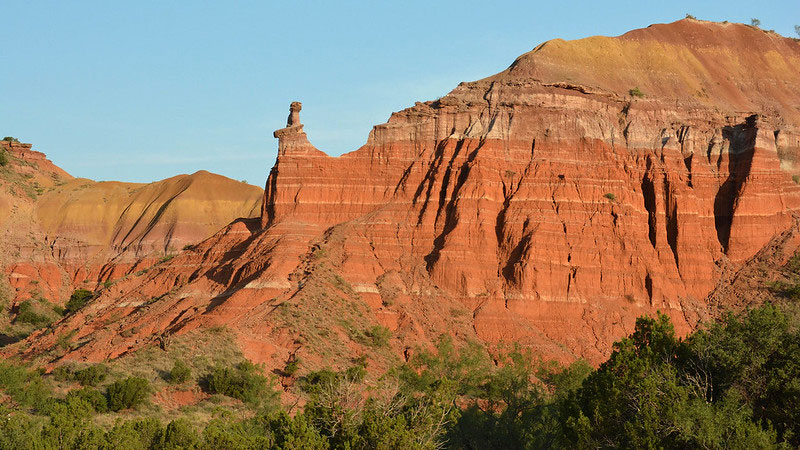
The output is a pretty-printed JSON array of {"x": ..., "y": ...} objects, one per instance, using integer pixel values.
[
  {"x": 127, "y": 393},
  {"x": 179, "y": 434},
  {"x": 378, "y": 336},
  {"x": 27, "y": 313},
  {"x": 636, "y": 92},
  {"x": 91, "y": 375},
  {"x": 180, "y": 372},
  {"x": 92, "y": 397},
  {"x": 797, "y": 30},
  {"x": 291, "y": 367},
  {"x": 755, "y": 22},
  {"x": 244, "y": 382},
  {"x": 78, "y": 299}
]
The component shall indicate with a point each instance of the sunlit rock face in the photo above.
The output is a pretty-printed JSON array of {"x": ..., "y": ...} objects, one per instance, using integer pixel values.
[{"x": 591, "y": 182}]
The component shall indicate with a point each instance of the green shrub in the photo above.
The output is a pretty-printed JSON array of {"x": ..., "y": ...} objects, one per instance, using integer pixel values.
[
  {"x": 90, "y": 375},
  {"x": 291, "y": 367},
  {"x": 11, "y": 139},
  {"x": 610, "y": 196},
  {"x": 62, "y": 373},
  {"x": 26, "y": 387},
  {"x": 796, "y": 179},
  {"x": 78, "y": 299},
  {"x": 355, "y": 373},
  {"x": 755, "y": 22},
  {"x": 180, "y": 372},
  {"x": 244, "y": 383},
  {"x": 378, "y": 336},
  {"x": 166, "y": 258},
  {"x": 179, "y": 434},
  {"x": 636, "y": 92},
  {"x": 26, "y": 313},
  {"x": 127, "y": 393},
  {"x": 69, "y": 426},
  {"x": 135, "y": 434},
  {"x": 90, "y": 396},
  {"x": 785, "y": 290},
  {"x": 3, "y": 158},
  {"x": 313, "y": 381}
]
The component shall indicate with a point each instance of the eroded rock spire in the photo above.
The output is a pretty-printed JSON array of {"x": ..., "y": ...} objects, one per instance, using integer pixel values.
[{"x": 294, "y": 114}]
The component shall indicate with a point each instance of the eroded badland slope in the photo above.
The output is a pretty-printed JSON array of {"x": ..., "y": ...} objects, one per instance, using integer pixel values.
[{"x": 60, "y": 233}]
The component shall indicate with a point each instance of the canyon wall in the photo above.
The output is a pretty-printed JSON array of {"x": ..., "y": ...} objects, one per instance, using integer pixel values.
[
  {"x": 590, "y": 182},
  {"x": 549, "y": 205}
]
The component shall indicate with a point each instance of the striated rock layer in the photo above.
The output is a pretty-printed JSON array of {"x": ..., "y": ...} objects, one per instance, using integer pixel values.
[
  {"x": 100, "y": 230},
  {"x": 61, "y": 232},
  {"x": 591, "y": 182}
]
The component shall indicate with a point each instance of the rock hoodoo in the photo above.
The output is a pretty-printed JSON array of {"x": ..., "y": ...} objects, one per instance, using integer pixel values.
[
  {"x": 294, "y": 115},
  {"x": 591, "y": 182}
]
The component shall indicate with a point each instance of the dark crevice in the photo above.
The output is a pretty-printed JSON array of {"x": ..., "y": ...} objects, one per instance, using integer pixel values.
[
  {"x": 671, "y": 211},
  {"x": 688, "y": 163},
  {"x": 446, "y": 180},
  {"x": 683, "y": 135},
  {"x": 404, "y": 177},
  {"x": 517, "y": 254},
  {"x": 451, "y": 213},
  {"x": 433, "y": 169},
  {"x": 573, "y": 271},
  {"x": 648, "y": 284},
  {"x": 649, "y": 194},
  {"x": 522, "y": 246},
  {"x": 723, "y": 212}
]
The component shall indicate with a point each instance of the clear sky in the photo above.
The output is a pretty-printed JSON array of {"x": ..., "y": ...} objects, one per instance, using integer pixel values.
[{"x": 146, "y": 90}]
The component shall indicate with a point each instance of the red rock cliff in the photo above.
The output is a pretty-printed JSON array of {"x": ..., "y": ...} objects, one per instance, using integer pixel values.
[
  {"x": 590, "y": 180},
  {"x": 589, "y": 183}
]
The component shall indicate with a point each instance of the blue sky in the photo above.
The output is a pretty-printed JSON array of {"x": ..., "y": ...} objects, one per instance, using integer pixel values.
[{"x": 149, "y": 89}]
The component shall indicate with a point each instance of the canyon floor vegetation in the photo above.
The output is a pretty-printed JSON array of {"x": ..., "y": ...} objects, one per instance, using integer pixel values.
[{"x": 734, "y": 383}]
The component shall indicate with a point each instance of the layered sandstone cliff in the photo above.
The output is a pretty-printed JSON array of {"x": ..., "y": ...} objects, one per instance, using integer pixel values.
[
  {"x": 554, "y": 200},
  {"x": 591, "y": 182}
]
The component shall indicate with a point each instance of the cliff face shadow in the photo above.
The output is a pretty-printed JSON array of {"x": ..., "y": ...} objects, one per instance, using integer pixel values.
[
  {"x": 742, "y": 139},
  {"x": 8, "y": 339},
  {"x": 226, "y": 272}
]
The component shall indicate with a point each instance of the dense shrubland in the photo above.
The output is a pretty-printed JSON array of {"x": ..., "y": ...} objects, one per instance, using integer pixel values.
[{"x": 732, "y": 384}]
